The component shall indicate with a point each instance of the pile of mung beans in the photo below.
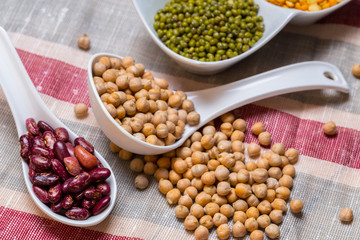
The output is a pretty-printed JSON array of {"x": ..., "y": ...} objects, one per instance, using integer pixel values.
[
  {"x": 142, "y": 105},
  {"x": 215, "y": 177},
  {"x": 209, "y": 30}
]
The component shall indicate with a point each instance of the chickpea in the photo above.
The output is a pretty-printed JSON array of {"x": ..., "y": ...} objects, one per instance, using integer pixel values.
[
  {"x": 272, "y": 231},
  {"x": 276, "y": 216},
  {"x": 258, "y": 128},
  {"x": 196, "y": 146},
  {"x": 282, "y": 192},
  {"x": 264, "y": 207},
  {"x": 191, "y": 223},
  {"x": 111, "y": 87},
  {"x": 191, "y": 192},
  {"x": 275, "y": 172},
  {"x": 100, "y": 88},
  {"x": 219, "y": 136},
  {"x": 272, "y": 183},
  {"x": 161, "y": 173},
  {"x": 175, "y": 101},
  {"x": 278, "y": 148},
  {"x": 252, "y": 200},
  {"x": 181, "y": 211},
  {"x": 237, "y": 146},
  {"x": 284, "y": 161},
  {"x": 296, "y": 206},
  {"x": 196, "y": 210},
  {"x": 260, "y": 190},
  {"x": 137, "y": 165},
  {"x": 292, "y": 155},
  {"x": 238, "y": 230},
  {"x": 130, "y": 107},
  {"x": 141, "y": 181},
  {"x": 174, "y": 177},
  {"x": 81, "y": 110},
  {"x": 210, "y": 189},
  {"x": 111, "y": 109},
  {"x": 275, "y": 160},
  {"x": 198, "y": 170},
  {"x": 173, "y": 196},
  {"x": 206, "y": 221},
  {"x": 286, "y": 181},
  {"x": 184, "y": 152},
  {"x": 208, "y": 178},
  {"x": 136, "y": 124},
  {"x": 289, "y": 170},
  {"x": 114, "y": 148},
  {"x": 126, "y": 155},
  {"x": 213, "y": 152},
  {"x": 240, "y": 205},
  {"x": 356, "y": 70},
  {"x": 264, "y": 138},
  {"x": 226, "y": 128},
  {"x": 239, "y": 124},
  {"x": 182, "y": 184},
  {"x": 330, "y": 128},
  {"x": 223, "y": 231},
  {"x": 263, "y": 220},
  {"x": 201, "y": 233},
  {"x": 165, "y": 186},
  {"x": 219, "y": 219},
  {"x": 227, "y": 159},
  {"x": 99, "y": 68},
  {"x": 150, "y": 158},
  {"x": 233, "y": 179},
  {"x": 211, "y": 208},
  {"x": 203, "y": 198},
  {"x": 270, "y": 196},
  {"x": 252, "y": 212},
  {"x": 250, "y": 166},
  {"x": 346, "y": 215},
  {"x": 220, "y": 200},
  {"x": 84, "y": 42},
  {"x": 253, "y": 150},
  {"x": 263, "y": 163},
  {"x": 150, "y": 168},
  {"x": 239, "y": 216},
  {"x": 243, "y": 190},
  {"x": 232, "y": 197},
  {"x": 109, "y": 76},
  {"x": 197, "y": 183},
  {"x": 207, "y": 141},
  {"x": 193, "y": 118},
  {"x": 127, "y": 128},
  {"x": 196, "y": 137},
  {"x": 224, "y": 146},
  {"x": 251, "y": 224},
  {"x": 227, "y": 210},
  {"x": 188, "y": 105},
  {"x": 260, "y": 175},
  {"x": 243, "y": 176},
  {"x": 237, "y": 135},
  {"x": 222, "y": 173},
  {"x": 257, "y": 235}
]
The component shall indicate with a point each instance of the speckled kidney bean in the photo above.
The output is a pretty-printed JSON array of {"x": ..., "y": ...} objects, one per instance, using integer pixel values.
[
  {"x": 84, "y": 143},
  {"x": 55, "y": 193},
  {"x": 44, "y": 126},
  {"x": 86, "y": 159},
  {"x": 104, "y": 188},
  {"x": 99, "y": 174},
  {"x": 39, "y": 163},
  {"x": 59, "y": 169},
  {"x": 92, "y": 193},
  {"x": 25, "y": 146},
  {"x": 88, "y": 203},
  {"x": 67, "y": 201},
  {"x": 41, "y": 194},
  {"x": 38, "y": 141},
  {"x": 65, "y": 185},
  {"x": 72, "y": 165},
  {"x": 31, "y": 175},
  {"x": 101, "y": 205},
  {"x": 32, "y": 126},
  {"x": 61, "y": 134},
  {"x": 79, "y": 196},
  {"x": 50, "y": 139},
  {"x": 70, "y": 148},
  {"x": 45, "y": 179},
  {"x": 42, "y": 151},
  {"x": 79, "y": 183},
  {"x": 78, "y": 213},
  {"x": 60, "y": 151},
  {"x": 56, "y": 207}
]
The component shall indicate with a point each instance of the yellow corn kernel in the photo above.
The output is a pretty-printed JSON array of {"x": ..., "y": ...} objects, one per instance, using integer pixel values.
[
  {"x": 314, "y": 7},
  {"x": 325, "y": 5},
  {"x": 332, "y": 2},
  {"x": 289, "y": 4}
]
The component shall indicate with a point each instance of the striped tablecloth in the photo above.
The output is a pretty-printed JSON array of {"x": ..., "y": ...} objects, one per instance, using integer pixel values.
[{"x": 45, "y": 35}]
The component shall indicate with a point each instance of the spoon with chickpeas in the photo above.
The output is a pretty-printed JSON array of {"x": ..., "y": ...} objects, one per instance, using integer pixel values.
[{"x": 141, "y": 114}]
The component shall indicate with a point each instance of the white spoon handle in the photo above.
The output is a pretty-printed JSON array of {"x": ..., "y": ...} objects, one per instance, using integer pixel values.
[{"x": 213, "y": 102}]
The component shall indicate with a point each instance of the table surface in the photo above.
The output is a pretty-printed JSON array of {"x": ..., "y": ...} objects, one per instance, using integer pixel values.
[{"x": 45, "y": 35}]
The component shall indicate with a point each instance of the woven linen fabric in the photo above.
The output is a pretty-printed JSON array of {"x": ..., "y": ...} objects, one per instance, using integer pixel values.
[{"x": 45, "y": 35}]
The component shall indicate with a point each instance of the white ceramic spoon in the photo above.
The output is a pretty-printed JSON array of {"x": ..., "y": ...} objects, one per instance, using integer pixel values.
[
  {"x": 213, "y": 102},
  {"x": 25, "y": 102},
  {"x": 275, "y": 19}
]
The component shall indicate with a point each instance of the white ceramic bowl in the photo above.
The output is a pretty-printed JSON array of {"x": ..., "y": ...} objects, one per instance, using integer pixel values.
[{"x": 275, "y": 19}]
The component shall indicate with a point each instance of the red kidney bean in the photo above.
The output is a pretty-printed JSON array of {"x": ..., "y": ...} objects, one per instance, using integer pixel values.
[
  {"x": 78, "y": 213},
  {"x": 84, "y": 143},
  {"x": 41, "y": 194},
  {"x": 32, "y": 126},
  {"x": 65, "y": 185},
  {"x": 72, "y": 165},
  {"x": 70, "y": 148},
  {"x": 92, "y": 193},
  {"x": 60, "y": 151},
  {"x": 79, "y": 196},
  {"x": 25, "y": 146},
  {"x": 55, "y": 193},
  {"x": 39, "y": 141},
  {"x": 31, "y": 175},
  {"x": 86, "y": 159},
  {"x": 101, "y": 205},
  {"x": 99, "y": 174},
  {"x": 88, "y": 203},
  {"x": 79, "y": 183},
  {"x": 50, "y": 139},
  {"x": 44, "y": 126},
  {"x": 67, "y": 201},
  {"x": 59, "y": 169},
  {"x": 104, "y": 188},
  {"x": 45, "y": 179},
  {"x": 39, "y": 163},
  {"x": 61, "y": 134},
  {"x": 56, "y": 207},
  {"x": 42, "y": 151}
]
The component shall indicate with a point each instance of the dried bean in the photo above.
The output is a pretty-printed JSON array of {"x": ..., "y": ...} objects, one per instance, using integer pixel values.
[
  {"x": 92, "y": 193},
  {"x": 50, "y": 139},
  {"x": 79, "y": 196},
  {"x": 65, "y": 185},
  {"x": 84, "y": 143},
  {"x": 79, "y": 183},
  {"x": 41, "y": 194},
  {"x": 70, "y": 148},
  {"x": 44, "y": 126},
  {"x": 56, "y": 207},
  {"x": 72, "y": 165},
  {"x": 61, "y": 134},
  {"x": 104, "y": 188},
  {"x": 88, "y": 203},
  {"x": 31, "y": 175},
  {"x": 60, "y": 151},
  {"x": 86, "y": 159},
  {"x": 39, "y": 163},
  {"x": 32, "y": 126},
  {"x": 42, "y": 151},
  {"x": 99, "y": 174},
  {"x": 38, "y": 141},
  {"x": 67, "y": 202},
  {"x": 78, "y": 213},
  {"x": 25, "y": 144},
  {"x": 55, "y": 193},
  {"x": 101, "y": 205},
  {"x": 45, "y": 179},
  {"x": 59, "y": 169}
]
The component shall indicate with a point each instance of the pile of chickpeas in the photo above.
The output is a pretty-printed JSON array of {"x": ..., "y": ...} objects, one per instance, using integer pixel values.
[
  {"x": 141, "y": 104},
  {"x": 215, "y": 177}
]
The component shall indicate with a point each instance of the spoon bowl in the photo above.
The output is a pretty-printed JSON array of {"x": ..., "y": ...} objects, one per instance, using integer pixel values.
[
  {"x": 213, "y": 102},
  {"x": 25, "y": 102},
  {"x": 275, "y": 19}
]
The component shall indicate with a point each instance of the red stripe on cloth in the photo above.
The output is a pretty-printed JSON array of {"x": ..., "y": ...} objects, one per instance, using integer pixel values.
[
  {"x": 306, "y": 136},
  {"x": 56, "y": 78},
  {"x": 347, "y": 15},
  {"x": 19, "y": 225}
]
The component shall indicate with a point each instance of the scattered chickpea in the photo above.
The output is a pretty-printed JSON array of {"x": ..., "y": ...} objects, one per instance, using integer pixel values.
[
  {"x": 240, "y": 124},
  {"x": 141, "y": 181},
  {"x": 346, "y": 215},
  {"x": 293, "y": 155},
  {"x": 263, "y": 220},
  {"x": 197, "y": 210},
  {"x": 289, "y": 170},
  {"x": 137, "y": 165},
  {"x": 279, "y": 204},
  {"x": 356, "y": 70},
  {"x": 330, "y": 128},
  {"x": 219, "y": 219},
  {"x": 286, "y": 181},
  {"x": 84, "y": 42},
  {"x": 278, "y": 148},
  {"x": 181, "y": 211},
  {"x": 296, "y": 206},
  {"x": 206, "y": 221},
  {"x": 81, "y": 110},
  {"x": 173, "y": 196},
  {"x": 264, "y": 138},
  {"x": 257, "y": 235},
  {"x": 272, "y": 231},
  {"x": 227, "y": 210},
  {"x": 223, "y": 231},
  {"x": 238, "y": 230},
  {"x": 193, "y": 118},
  {"x": 282, "y": 192},
  {"x": 240, "y": 205},
  {"x": 251, "y": 224},
  {"x": 191, "y": 223},
  {"x": 201, "y": 233},
  {"x": 253, "y": 149},
  {"x": 276, "y": 216},
  {"x": 258, "y": 128}
]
